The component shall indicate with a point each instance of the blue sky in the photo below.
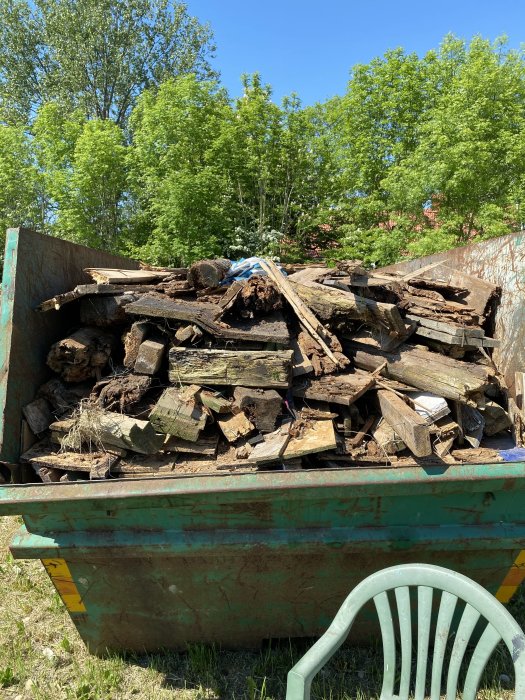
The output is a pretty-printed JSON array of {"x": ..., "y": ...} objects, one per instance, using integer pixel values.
[{"x": 309, "y": 47}]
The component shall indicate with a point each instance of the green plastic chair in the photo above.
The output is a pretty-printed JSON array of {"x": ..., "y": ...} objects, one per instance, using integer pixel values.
[{"x": 480, "y": 606}]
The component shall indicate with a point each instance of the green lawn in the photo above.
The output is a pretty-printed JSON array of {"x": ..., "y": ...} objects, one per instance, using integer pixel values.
[{"x": 42, "y": 657}]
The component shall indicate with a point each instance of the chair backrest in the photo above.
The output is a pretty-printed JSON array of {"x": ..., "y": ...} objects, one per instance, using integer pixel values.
[{"x": 480, "y": 607}]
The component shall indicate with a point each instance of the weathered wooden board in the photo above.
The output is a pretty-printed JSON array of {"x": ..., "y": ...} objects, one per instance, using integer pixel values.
[
  {"x": 36, "y": 267},
  {"x": 231, "y": 367},
  {"x": 273, "y": 446},
  {"x": 125, "y": 276},
  {"x": 270, "y": 329},
  {"x": 342, "y": 389},
  {"x": 408, "y": 424},
  {"x": 316, "y": 436}
]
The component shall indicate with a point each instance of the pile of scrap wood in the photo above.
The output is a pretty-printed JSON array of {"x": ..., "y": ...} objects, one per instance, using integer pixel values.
[{"x": 173, "y": 371}]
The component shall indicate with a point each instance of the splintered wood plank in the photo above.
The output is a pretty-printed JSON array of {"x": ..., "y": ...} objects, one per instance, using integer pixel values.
[
  {"x": 301, "y": 363},
  {"x": 450, "y": 328},
  {"x": 307, "y": 318},
  {"x": 273, "y": 446},
  {"x": 269, "y": 329},
  {"x": 342, "y": 389},
  {"x": 315, "y": 436},
  {"x": 409, "y": 425},
  {"x": 254, "y": 368},
  {"x": 157, "y": 464},
  {"x": 52, "y": 457}
]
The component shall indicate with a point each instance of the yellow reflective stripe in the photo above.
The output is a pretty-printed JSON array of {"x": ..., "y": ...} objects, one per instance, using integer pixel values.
[
  {"x": 513, "y": 579},
  {"x": 60, "y": 575}
]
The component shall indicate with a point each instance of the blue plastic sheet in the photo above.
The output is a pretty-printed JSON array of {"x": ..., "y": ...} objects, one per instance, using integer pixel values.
[
  {"x": 516, "y": 454},
  {"x": 243, "y": 269}
]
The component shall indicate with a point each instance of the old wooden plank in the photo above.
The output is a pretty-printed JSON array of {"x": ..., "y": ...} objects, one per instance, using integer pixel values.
[
  {"x": 314, "y": 436},
  {"x": 410, "y": 426},
  {"x": 273, "y": 447},
  {"x": 205, "y": 445},
  {"x": 118, "y": 276},
  {"x": 268, "y": 329},
  {"x": 231, "y": 367},
  {"x": 44, "y": 455}
]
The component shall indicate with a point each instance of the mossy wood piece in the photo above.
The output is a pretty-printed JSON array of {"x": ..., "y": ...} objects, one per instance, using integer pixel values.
[
  {"x": 256, "y": 368},
  {"x": 115, "y": 429},
  {"x": 178, "y": 413},
  {"x": 215, "y": 402}
]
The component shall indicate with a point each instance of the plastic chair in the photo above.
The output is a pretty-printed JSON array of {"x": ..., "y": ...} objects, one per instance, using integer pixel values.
[{"x": 480, "y": 605}]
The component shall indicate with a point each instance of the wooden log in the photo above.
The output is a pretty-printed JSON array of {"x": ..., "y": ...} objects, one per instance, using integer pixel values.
[
  {"x": 336, "y": 306},
  {"x": 114, "y": 429},
  {"x": 178, "y": 413},
  {"x": 86, "y": 290},
  {"x": 427, "y": 371},
  {"x": 263, "y": 407},
  {"x": 410, "y": 426},
  {"x": 149, "y": 357},
  {"x": 313, "y": 436},
  {"x": 270, "y": 329},
  {"x": 235, "y": 426},
  {"x": 208, "y": 273},
  {"x": 82, "y": 355},
  {"x": 273, "y": 446},
  {"x": 61, "y": 397},
  {"x": 342, "y": 389},
  {"x": 230, "y": 368},
  {"x": 38, "y": 415}
]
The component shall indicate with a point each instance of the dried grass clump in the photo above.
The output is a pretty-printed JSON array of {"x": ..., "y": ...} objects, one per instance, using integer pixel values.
[{"x": 86, "y": 432}]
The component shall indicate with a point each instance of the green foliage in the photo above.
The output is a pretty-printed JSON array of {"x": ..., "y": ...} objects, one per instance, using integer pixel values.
[
  {"x": 96, "y": 55},
  {"x": 83, "y": 166},
  {"x": 20, "y": 200}
]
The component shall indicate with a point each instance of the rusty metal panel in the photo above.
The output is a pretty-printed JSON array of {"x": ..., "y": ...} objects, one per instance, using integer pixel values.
[
  {"x": 502, "y": 262},
  {"x": 36, "y": 267},
  {"x": 236, "y": 559}
]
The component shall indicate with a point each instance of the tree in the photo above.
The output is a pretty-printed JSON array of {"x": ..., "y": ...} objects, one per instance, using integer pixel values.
[
  {"x": 83, "y": 165},
  {"x": 20, "y": 195},
  {"x": 178, "y": 173},
  {"x": 95, "y": 55}
]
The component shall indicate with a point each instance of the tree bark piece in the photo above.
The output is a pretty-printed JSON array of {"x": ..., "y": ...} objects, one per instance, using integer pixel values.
[
  {"x": 410, "y": 426},
  {"x": 427, "y": 371},
  {"x": 308, "y": 320},
  {"x": 262, "y": 407},
  {"x": 149, "y": 357},
  {"x": 230, "y": 368},
  {"x": 178, "y": 413},
  {"x": 342, "y": 389},
  {"x": 82, "y": 355},
  {"x": 121, "y": 393},
  {"x": 235, "y": 426},
  {"x": 208, "y": 273}
]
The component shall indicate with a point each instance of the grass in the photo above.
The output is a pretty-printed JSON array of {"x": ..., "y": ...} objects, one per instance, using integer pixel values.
[{"x": 42, "y": 657}]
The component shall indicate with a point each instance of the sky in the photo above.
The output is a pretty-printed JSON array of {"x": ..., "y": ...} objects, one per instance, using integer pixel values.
[{"x": 309, "y": 47}]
